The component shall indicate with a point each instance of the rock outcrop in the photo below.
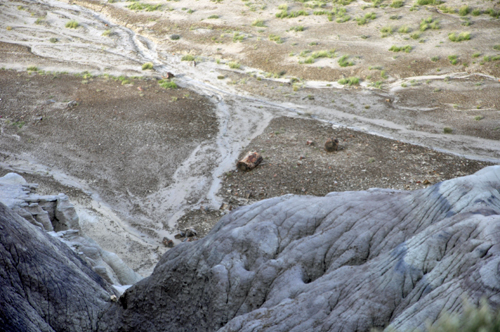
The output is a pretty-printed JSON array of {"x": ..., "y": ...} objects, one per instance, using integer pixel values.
[
  {"x": 56, "y": 215},
  {"x": 345, "y": 262},
  {"x": 44, "y": 285}
]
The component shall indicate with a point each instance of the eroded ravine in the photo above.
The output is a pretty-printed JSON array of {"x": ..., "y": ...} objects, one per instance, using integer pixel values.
[{"x": 241, "y": 115}]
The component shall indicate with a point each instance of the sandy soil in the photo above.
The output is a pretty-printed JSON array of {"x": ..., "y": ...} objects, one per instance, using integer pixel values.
[{"x": 141, "y": 162}]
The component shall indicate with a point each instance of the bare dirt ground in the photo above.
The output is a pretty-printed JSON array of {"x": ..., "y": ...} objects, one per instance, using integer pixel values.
[{"x": 141, "y": 161}]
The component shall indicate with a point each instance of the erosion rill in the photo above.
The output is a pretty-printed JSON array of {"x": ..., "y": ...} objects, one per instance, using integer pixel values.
[{"x": 344, "y": 262}]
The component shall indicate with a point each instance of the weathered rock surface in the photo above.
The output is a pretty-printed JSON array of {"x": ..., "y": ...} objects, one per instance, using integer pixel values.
[
  {"x": 56, "y": 214},
  {"x": 345, "y": 262},
  {"x": 44, "y": 286}
]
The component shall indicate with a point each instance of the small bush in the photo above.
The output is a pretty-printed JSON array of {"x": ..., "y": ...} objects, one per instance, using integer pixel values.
[
  {"x": 343, "y": 19},
  {"x": 476, "y": 12},
  {"x": 447, "y": 10},
  {"x": 386, "y": 31},
  {"x": 175, "y": 37},
  {"x": 72, "y": 24},
  {"x": 406, "y": 48},
  {"x": 447, "y": 130},
  {"x": 147, "y": 65},
  {"x": 464, "y": 10},
  {"x": 479, "y": 118},
  {"x": 350, "y": 81},
  {"x": 476, "y": 55},
  {"x": 344, "y": 61},
  {"x": 415, "y": 35},
  {"x": 32, "y": 68},
  {"x": 167, "y": 84},
  {"x": 435, "y": 58},
  {"x": 213, "y": 17},
  {"x": 428, "y": 2},
  {"x": 106, "y": 33},
  {"x": 404, "y": 29},
  {"x": 397, "y": 3},
  {"x": 39, "y": 21},
  {"x": 297, "y": 28},
  {"x": 187, "y": 57},
  {"x": 53, "y": 40},
  {"x": 496, "y": 47},
  {"x": 460, "y": 37},
  {"x": 453, "y": 59},
  {"x": 233, "y": 65},
  {"x": 258, "y": 23},
  {"x": 276, "y": 39}
]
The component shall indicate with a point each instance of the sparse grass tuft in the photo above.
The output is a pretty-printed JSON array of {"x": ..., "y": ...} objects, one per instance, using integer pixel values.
[
  {"x": 72, "y": 24},
  {"x": 478, "y": 118},
  {"x": 258, "y": 23},
  {"x": 397, "y": 3},
  {"x": 428, "y": 2},
  {"x": 435, "y": 58},
  {"x": 460, "y": 37},
  {"x": 406, "y": 48},
  {"x": 386, "y": 31},
  {"x": 476, "y": 12},
  {"x": 187, "y": 57},
  {"x": 277, "y": 39},
  {"x": 350, "y": 81},
  {"x": 213, "y": 17},
  {"x": 453, "y": 59},
  {"x": 496, "y": 47},
  {"x": 297, "y": 28},
  {"x": 147, "y": 65},
  {"x": 53, "y": 40},
  {"x": 476, "y": 55},
  {"x": 344, "y": 61},
  {"x": 167, "y": 84},
  {"x": 32, "y": 68},
  {"x": 415, "y": 35},
  {"x": 404, "y": 29},
  {"x": 447, "y": 130},
  {"x": 464, "y": 10},
  {"x": 107, "y": 33},
  {"x": 366, "y": 19},
  {"x": 234, "y": 65}
]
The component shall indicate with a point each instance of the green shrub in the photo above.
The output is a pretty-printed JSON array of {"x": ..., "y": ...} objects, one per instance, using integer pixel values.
[
  {"x": 453, "y": 59},
  {"x": 415, "y": 35},
  {"x": 349, "y": 80},
  {"x": 53, "y": 40},
  {"x": 72, "y": 24},
  {"x": 167, "y": 84},
  {"x": 428, "y": 2},
  {"x": 258, "y": 23},
  {"x": 476, "y": 55},
  {"x": 448, "y": 130},
  {"x": 435, "y": 58},
  {"x": 213, "y": 17},
  {"x": 406, "y": 48},
  {"x": 187, "y": 57},
  {"x": 476, "y": 12},
  {"x": 147, "y": 65},
  {"x": 107, "y": 33},
  {"x": 464, "y": 10},
  {"x": 233, "y": 65},
  {"x": 386, "y": 31},
  {"x": 32, "y": 68},
  {"x": 493, "y": 13},
  {"x": 175, "y": 37},
  {"x": 275, "y": 38},
  {"x": 460, "y": 37},
  {"x": 297, "y": 28},
  {"x": 496, "y": 47},
  {"x": 367, "y": 18},
  {"x": 343, "y": 19},
  {"x": 404, "y": 29},
  {"x": 344, "y": 61},
  {"x": 397, "y": 3}
]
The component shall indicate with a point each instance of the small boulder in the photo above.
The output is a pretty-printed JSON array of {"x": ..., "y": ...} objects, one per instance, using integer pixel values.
[{"x": 332, "y": 144}]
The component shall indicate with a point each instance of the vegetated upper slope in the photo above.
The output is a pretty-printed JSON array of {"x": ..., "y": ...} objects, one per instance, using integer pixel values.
[{"x": 272, "y": 36}]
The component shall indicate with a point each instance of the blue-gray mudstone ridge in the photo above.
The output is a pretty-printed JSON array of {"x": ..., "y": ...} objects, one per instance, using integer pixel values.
[{"x": 346, "y": 262}]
